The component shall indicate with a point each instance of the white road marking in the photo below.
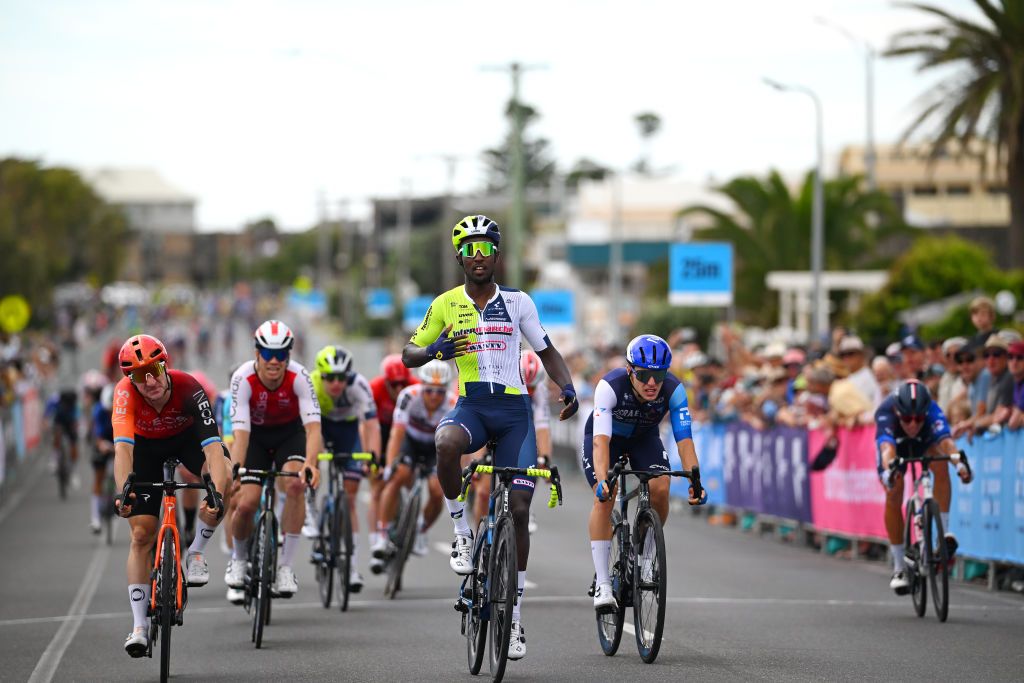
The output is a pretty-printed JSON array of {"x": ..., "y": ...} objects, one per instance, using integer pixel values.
[
  {"x": 29, "y": 484},
  {"x": 628, "y": 628},
  {"x": 47, "y": 665}
]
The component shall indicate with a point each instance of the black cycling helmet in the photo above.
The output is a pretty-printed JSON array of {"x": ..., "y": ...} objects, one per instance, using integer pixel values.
[{"x": 913, "y": 398}]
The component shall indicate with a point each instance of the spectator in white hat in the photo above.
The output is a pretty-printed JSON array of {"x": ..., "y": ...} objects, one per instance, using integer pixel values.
[
  {"x": 950, "y": 384},
  {"x": 851, "y": 353}
]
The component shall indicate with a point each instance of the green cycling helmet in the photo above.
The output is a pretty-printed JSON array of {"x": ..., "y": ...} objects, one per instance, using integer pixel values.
[
  {"x": 476, "y": 226},
  {"x": 334, "y": 360}
]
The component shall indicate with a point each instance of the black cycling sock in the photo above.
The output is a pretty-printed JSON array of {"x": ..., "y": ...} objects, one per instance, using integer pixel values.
[{"x": 190, "y": 518}]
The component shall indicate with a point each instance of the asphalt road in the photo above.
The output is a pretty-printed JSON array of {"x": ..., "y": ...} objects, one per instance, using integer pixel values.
[{"x": 740, "y": 608}]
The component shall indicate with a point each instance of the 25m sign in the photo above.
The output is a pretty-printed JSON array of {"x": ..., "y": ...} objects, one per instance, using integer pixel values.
[{"x": 700, "y": 274}]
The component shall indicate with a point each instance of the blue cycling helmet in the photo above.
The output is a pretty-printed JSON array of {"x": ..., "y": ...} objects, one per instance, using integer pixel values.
[{"x": 649, "y": 351}]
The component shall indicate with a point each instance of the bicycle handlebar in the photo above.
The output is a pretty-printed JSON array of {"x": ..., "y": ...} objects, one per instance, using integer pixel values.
[
  {"x": 549, "y": 474},
  {"x": 363, "y": 456},
  {"x": 213, "y": 499},
  {"x": 958, "y": 458},
  {"x": 693, "y": 474}
]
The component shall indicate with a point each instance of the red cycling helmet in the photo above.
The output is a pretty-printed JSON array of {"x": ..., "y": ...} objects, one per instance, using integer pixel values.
[
  {"x": 140, "y": 351},
  {"x": 531, "y": 368},
  {"x": 394, "y": 369}
]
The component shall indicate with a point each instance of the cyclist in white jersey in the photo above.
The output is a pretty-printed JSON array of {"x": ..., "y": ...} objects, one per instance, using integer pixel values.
[
  {"x": 480, "y": 325},
  {"x": 418, "y": 411}
]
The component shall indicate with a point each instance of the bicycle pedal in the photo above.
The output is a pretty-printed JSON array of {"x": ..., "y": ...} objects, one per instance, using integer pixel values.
[{"x": 461, "y": 606}]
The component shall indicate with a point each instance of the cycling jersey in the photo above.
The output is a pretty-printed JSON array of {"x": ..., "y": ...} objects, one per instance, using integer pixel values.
[
  {"x": 412, "y": 413},
  {"x": 889, "y": 430},
  {"x": 187, "y": 406},
  {"x": 491, "y": 362},
  {"x": 254, "y": 405},
  {"x": 354, "y": 403},
  {"x": 382, "y": 397},
  {"x": 619, "y": 412}
]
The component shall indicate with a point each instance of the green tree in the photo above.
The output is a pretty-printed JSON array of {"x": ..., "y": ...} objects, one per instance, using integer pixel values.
[
  {"x": 536, "y": 154},
  {"x": 54, "y": 229},
  {"x": 770, "y": 229},
  {"x": 933, "y": 268},
  {"x": 585, "y": 169},
  {"x": 648, "y": 123},
  {"x": 985, "y": 98}
]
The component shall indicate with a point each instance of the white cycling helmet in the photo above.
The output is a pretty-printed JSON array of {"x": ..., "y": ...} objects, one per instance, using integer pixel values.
[
  {"x": 274, "y": 334},
  {"x": 107, "y": 397},
  {"x": 436, "y": 373}
]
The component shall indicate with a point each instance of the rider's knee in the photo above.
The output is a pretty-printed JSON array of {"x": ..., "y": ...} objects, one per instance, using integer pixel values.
[
  {"x": 450, "y": 443},
  {"x": 143, "y": 536},
  {"x": 245, "y": 506}
]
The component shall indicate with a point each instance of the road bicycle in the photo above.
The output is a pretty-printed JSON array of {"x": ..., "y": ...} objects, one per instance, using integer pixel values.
[
  {"x": 637, "y": 565},
  {"x": 403, "y": 533},
  {"x": 262, "y": 566},
  {"x": 108, "y": 508},
  {"x": 333, "y": 546},
  {"x": 927, "y": 555},
  {"x": 62, "y": 462},
  {"x": 487, "y": 595},
  {"x": 169, "y": 591}
]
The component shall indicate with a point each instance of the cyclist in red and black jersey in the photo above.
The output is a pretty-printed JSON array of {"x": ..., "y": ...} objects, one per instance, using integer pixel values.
[
  {"x": 160, "y": 414},
  {"x": 386, "y": 387},
  {"x": 275, "y": 420}
]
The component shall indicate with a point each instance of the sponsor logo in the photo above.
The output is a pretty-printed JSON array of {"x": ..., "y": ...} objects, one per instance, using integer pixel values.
[
  {"x": 426, "y": 318},
  {"x": 497, "y": 345},
  {"x": 523, "y": 482},
  {"x": 138, "y": 595}
]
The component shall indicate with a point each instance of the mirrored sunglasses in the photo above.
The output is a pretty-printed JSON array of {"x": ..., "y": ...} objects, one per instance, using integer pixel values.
[
  {"x": 335, "y": 376},
  {"x": 644, "y": 375},
  {"x": 471, "y": 249},
  {"x": 141, "y": 375},
  {"x": 911, "y": 419},
  {"x": 274, "y": 354}
]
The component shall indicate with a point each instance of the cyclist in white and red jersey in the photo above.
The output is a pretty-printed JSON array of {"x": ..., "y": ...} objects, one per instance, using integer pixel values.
[
  {"x": 419, "y": 409},
  {"x": 275, "y": 419}
]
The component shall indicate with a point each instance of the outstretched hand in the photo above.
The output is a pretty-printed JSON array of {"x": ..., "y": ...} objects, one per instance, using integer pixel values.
[
  {"x": 446, "y": 348},
  {"x": 568, "y": 397}
]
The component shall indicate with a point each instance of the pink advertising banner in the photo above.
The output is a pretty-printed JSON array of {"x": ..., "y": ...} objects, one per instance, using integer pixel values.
[{"x": 847, "y": 497}]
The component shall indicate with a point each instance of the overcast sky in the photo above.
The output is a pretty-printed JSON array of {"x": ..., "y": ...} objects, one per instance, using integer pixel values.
[{"x": 254, "y": 107}]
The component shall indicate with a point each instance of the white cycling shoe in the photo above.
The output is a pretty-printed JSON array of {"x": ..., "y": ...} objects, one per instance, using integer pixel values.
[
  {"x": 379, "y": 547},
  {"x": 604, "y": 599},
  {"x": 234, "y": 575},
  {"x": 137, "y": 643},
  {"x": 462, "y": 555},
  {"x": 197, "y": 573},
  {"x": 285, "y": 584},
  {"x": 517, "y": 641},
  {"x": 236, "y": 596},
  {"x": 899, "y": 583},
  {"x": 355, "y": 581}
]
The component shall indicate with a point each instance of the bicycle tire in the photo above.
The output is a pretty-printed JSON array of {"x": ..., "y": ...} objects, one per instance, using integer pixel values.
[
  {"x": 260, "y": 585},
  {"x": 63, "y": 474},
  {"x": 476, "y": 618},
  {"x": 502, "y": 593},
  {"x": 109, "y": 510},
  {"x": 168, "y": 600},
  {"x": 938, "y": 565},
  {"x": 323, "y": 548},
  {"x": 915, "y": 575},
  {"x": 344, "y": 559},
  {"x": 271, "y": 575},
  {"x": 649, "y": 626},
  {"x": 609, "y": 624},
  {"x": 407, "y": 522}
]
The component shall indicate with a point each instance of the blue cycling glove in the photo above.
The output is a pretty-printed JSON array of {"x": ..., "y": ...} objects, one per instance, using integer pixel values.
[
  {"x": 568, "y": 397},
  {"x": 603, "y": 491},
  {"x": 446, "y": 348}
]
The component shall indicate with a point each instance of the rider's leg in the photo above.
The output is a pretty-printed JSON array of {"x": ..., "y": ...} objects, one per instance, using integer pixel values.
[
  {"x": 943, "y": 490},
  {"x": 294, "y": 509},
  {"x": 481, "y": 495},
  {"x": 401, "y": 478},
  {"x": 246, "y": 503},
  {"x": 894, "y": 523},
  {"x": 452, "y": 440},
  {"x": 435, "y": 501},
  {"x": 659, "y": 497},
  {"x": 143, "y": 535},
  {"x": 351, "y": 485}
]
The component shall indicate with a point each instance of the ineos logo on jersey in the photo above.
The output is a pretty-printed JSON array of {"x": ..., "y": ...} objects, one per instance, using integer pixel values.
[{"x": 205, "y": 410}]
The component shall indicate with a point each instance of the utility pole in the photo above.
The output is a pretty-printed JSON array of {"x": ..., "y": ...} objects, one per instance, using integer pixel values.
[
  {"x": 615, "y": 259},
  {"x": 323, "y": 242},
  {"x": 512, "y": 240}
]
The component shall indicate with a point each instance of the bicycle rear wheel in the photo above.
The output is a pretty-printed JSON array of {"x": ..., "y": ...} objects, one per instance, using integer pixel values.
[
  {"x": 325, "y": 552},
  {"x": 477, "y": 617},
  {"x": 915, "y": 569},
  {"x": 650, "y": 585},
  {"x": 407, "y": 523},
  {"x": 502, "y": 589},
  {"x": 63, "y": 473},
  {"x": 609, "y": 624},
  {"x": 345, "y": 546},
  {"x": 168, "y": 591},
  {"x": 938, "y": 559}
]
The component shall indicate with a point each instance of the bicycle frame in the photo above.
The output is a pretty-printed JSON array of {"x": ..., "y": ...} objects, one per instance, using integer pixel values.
[{"x": 169, "y": 521}]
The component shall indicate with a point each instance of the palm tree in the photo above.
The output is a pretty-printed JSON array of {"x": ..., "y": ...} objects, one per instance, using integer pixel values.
[
  {"x": 770, "y": 230},
  {"x": 986, "y": 99},
  {"x": 648, "y": 124}
]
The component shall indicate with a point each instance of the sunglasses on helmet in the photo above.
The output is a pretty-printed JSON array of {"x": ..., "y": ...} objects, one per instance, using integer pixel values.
[
  {"x": 471, "y": 249},
  {"x": 644, "y": 375},
  {"x": 273, "y": 354},
  {"x": 140, "y": 375}
]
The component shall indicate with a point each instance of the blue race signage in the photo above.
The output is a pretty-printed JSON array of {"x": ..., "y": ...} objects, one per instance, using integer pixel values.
[
  {"x": 379, "y": 303},
  {"x": 700, "y": 274},
  {"x": 556, "y": 307}
]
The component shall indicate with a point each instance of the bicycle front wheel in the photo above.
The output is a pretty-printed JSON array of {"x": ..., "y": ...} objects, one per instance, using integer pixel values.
[
  {"x": 406, "y": 537},
  {"x": 476, "y": 619},
  {"x": 609, "y": 624},
  {"x": 168, "y": 591},
  {"x": 915, "y": 568},
  {"x": 650, "y": 584},
  {"x": 345, "y": 547},
  {"x": 938, "y": 559},
  {"x": 325, "y": 553},
  {"x": 502, "y": 589},
  {"x": 63, "y": 474}
]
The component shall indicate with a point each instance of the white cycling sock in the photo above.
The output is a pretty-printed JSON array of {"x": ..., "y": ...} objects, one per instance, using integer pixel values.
[
  {"x": 204, "y": 532},
  {"x": 138, "y": 594},
  {"x": 898, "y": 557},
  {"x": 457, "y": 510},
  {"x": 354, "y": 564},
  {"x": 600, "y": 550},
  {"x": 97, "y": 504},
  {"x": 240, "y": 551},
  {"x": 520, "y": 588},
  {"x": 291, "y": 542}
]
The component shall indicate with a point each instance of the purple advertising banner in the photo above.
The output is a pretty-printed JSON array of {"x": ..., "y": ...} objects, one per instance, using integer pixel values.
[{"x": 767, "y": 471}]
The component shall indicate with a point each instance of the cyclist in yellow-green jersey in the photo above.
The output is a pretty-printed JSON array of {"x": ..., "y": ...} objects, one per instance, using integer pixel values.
[{"x": 480, "y": 325}]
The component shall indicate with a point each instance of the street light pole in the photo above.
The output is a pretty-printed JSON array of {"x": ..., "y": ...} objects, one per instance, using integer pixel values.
[{"x": 819, "y": 309}]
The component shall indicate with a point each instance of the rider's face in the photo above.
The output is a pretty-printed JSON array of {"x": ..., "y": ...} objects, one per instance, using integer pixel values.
[
  {"x": 479, "y": 269},
  {"x": 911, "y": 428}
]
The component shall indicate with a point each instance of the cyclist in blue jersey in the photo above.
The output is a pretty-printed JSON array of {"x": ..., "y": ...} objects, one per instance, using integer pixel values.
[
  {"x": 908, "y": 424},
  {"x": 480, "y": 325},
  {"x": 629, "y": 404}
]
